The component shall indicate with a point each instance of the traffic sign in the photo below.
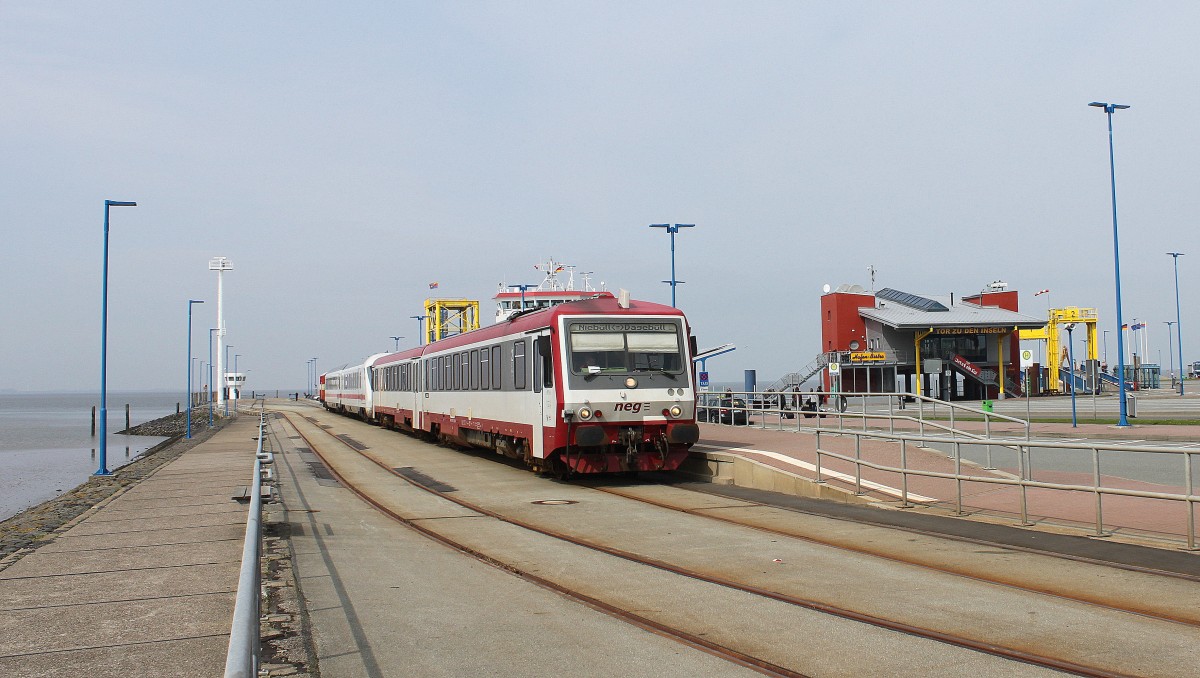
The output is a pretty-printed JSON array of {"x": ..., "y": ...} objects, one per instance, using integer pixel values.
[
  {"x": 703, "y": 379},
  {"x": 835, "y": 368}
]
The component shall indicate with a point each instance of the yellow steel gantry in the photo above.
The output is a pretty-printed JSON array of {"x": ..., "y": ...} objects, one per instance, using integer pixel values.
[
  {"x": 1050, "y": 334},
  {"x": 448, "y": 317}
]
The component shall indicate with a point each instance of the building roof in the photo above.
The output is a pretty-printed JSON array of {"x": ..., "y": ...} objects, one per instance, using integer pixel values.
[{"x": 894, "y": 313}]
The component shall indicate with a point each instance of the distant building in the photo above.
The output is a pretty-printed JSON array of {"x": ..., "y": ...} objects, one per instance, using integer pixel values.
[{"x": 946, "y": 347}]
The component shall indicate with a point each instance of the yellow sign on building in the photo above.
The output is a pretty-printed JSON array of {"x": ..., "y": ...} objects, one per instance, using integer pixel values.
[{"x": 867, "y": 356}]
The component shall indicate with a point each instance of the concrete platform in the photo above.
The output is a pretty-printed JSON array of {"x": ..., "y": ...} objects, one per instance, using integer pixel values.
[{"x": 141, "y": 585}]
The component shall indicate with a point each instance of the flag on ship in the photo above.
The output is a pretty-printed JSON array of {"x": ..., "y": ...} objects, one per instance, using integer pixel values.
[{"x": 433, "y": 286}]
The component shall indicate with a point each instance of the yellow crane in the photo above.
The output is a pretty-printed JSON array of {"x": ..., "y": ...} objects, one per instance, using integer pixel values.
[
  {"x": 1054, "y": 345},
  {"x": 448, "y": 317}
]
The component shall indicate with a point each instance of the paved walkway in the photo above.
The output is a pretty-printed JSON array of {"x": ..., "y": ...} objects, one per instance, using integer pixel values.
[{"x": 141, "y": 585}]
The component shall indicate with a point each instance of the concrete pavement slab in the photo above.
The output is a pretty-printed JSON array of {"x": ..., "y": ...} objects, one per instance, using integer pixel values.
[
  {"x": 136, "y": 558},
  {"x": 100, "y": 587},
  {"x": 153, "y": 522},
  {"x": 179, "y": 658},
  {"x": 54, "y": 629},
  {"x": 70, "y": 543}
]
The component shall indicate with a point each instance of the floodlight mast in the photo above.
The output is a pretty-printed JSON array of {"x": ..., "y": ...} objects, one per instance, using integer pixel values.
[{"x": 220, "y": 265}]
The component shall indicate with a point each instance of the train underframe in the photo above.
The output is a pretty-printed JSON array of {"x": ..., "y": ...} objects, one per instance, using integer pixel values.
[{"x": 594, "y": 448}]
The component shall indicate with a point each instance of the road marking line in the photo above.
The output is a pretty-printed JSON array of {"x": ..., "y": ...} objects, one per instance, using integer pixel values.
[{"x": 886, "y": 489}]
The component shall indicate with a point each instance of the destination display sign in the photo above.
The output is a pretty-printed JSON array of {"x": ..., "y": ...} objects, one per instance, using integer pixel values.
[
  {"x": 622, "y": 327},
  {"x": 972, "y": 330},
  {"x": 867, "y": 356}
]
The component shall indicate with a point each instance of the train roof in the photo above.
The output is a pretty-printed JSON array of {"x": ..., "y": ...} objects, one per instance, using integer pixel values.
[{"x": 603, "y": 304}]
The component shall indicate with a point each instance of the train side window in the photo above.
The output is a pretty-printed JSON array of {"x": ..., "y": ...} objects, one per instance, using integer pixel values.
[
  {"x": 475, "y": 369},
  {"x": 484, "y": 370},
  {"x": 496, "y": 367},
  {"x": 519, "y": 365},
  {"x": 465, "y": 370}
]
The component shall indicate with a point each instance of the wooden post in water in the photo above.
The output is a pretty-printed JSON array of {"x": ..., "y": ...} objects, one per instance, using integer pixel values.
[
  {"x": 126, "y": 416},
  {"x": 93, "y": 421}
]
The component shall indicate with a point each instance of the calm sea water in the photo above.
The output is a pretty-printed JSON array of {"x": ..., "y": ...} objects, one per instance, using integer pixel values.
[{"x": 46, "y": 447}]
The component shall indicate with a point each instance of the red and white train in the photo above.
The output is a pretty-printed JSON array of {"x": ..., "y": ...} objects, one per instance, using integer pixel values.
[{"x": 590, "y": 386}]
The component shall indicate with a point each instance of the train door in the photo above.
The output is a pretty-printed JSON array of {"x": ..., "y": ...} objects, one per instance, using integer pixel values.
[
  {"x": 421, "y": 392},
  {"x": 543, "y": 382}
]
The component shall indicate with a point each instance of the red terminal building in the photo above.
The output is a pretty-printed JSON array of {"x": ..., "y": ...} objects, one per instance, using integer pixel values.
[{"x": 948, "y": 347}]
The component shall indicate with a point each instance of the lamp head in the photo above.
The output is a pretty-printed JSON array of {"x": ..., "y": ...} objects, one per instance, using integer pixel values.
[{"x": 119, "y": 203}]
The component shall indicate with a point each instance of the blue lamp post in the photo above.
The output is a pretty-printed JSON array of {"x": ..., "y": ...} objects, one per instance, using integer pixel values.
[
  {"x": 1178, "y": 326},
  {"x": 396, "y": 347},
  {"x": 314, "y": 375},
  {"x": 210, "y": 376},
  {"x": 191, "y": 302},
  {"x": 524, "y": 287},
  {"x": 672, "y": 229},
  {"x": 103, "y": 470},
  {"x": 420, "y": 328},
  {"x": 1112, "y": 173}
]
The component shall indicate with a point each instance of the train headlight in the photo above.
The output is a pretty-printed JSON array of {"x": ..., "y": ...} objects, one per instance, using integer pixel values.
[
  {"x": 676, "y": 411},
  {"x": 631, "y": 383},
  {"x": 585, "y": 413}
]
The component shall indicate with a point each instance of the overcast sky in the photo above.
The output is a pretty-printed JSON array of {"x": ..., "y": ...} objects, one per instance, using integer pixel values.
[{"x": 344, "y": 155}]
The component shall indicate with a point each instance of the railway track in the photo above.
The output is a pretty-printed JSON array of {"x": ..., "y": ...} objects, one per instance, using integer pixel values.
[{"x": 357, "y": 466}]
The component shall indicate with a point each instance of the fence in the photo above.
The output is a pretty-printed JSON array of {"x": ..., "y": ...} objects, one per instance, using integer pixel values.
[
  {"x": 712, "y": 408},
  {"x": 242, "y": 658}
]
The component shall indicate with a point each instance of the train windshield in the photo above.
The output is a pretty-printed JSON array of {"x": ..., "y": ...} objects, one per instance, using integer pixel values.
[{"x": 621, "y": 348}]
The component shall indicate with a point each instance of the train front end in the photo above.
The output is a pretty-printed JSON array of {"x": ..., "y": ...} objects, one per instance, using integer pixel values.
[{"x": 627, "y": 397}]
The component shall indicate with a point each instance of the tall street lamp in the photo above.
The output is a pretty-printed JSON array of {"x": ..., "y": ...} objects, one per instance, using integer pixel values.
[
  {"x": 397, "y": 345},
  {"x": 239, "y": 386},
  {"x": 420, "y": 328},
  {"x": 191, "y": 302},
  {"x": 210, "y": 375},
  {"x": 314, "y": 375},
  {"x": 1178, "y": 324},
  {"x": 672, "y": 229},
  {"x": 103, "y": 470},
  {"x": 1112, "y": 173}
]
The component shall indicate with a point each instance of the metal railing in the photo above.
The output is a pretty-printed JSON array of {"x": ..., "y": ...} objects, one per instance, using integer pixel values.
[
  {"x": 242, "y": 658},
  {"x": 1024, "y": 479},
  {"x": 817, "y": 405}
]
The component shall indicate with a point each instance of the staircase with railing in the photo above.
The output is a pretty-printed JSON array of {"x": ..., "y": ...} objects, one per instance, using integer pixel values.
[{"x": 804, "y": 374}]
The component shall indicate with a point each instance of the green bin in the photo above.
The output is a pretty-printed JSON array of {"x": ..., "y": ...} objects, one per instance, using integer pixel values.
[{"x": 987, "y": 406}]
